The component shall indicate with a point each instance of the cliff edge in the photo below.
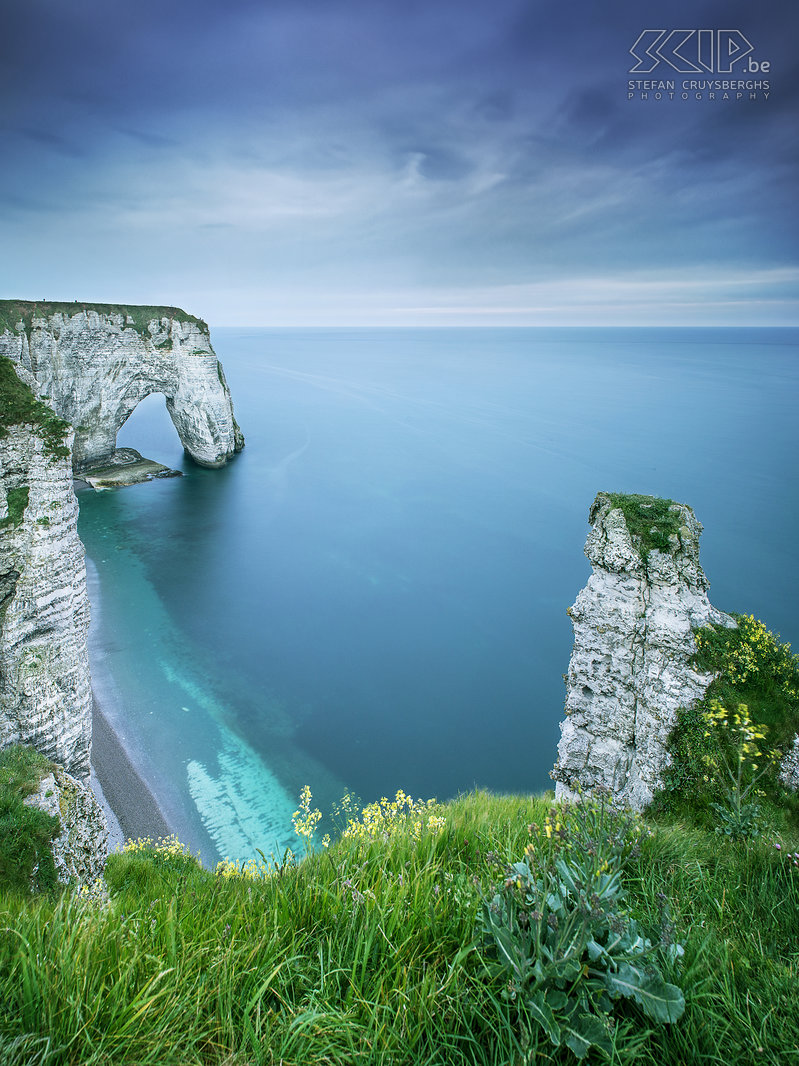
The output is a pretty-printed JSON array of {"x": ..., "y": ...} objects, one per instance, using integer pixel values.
[
  {"x": 45, "y": 688},
  {"x": 94, "y": 363},
  {"x": 631, "y": 665}
]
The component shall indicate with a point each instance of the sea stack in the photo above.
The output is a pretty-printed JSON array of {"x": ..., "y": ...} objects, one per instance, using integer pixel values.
[{"x": 631, "y": 665}]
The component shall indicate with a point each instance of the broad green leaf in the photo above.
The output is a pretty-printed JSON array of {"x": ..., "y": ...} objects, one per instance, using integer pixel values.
[
  {"x": 579, "y": 1045},
  {"x": 556, "y": 1000},
  {"x": 567, "y": 969},
  {"x": 608, "y": 887},
  {"x": 555, "y": 903},
  {"x": 585, "y": 1030},
  {"x": 541, "y": 1011},
  {"x": 594, "y": 950},
  {"x": 567, "y": 873},
  {"x": 659, "y": 1000}
]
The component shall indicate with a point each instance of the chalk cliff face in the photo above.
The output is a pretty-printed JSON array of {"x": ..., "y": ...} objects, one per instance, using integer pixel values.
[
  {"x": 45, "y": 689},
  {"x": 81, "y": 848},
  {"x": 94, "y": 365},
  {"x": 91, "y": 365},
  {"x": 630, "y": 667}
]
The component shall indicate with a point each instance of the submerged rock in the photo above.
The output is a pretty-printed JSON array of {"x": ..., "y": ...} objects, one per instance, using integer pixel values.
[
  {"x": 630, "y": 668},
  {"x": 125, "y": 467}
]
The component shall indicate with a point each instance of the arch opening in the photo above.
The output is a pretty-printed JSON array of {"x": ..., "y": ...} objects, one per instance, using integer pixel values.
[
  {"x": 147, "y": 424},
  {"x": 149, "y": 429}
]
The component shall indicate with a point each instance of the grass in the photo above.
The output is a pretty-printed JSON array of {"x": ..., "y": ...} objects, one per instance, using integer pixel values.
[
  {"x": 366, "y": 953},
  {"x": 18, "y": 406},
  {"x": 371, "y": 951},
  {"x": 26, "y": 861},
  {"x": 12, "y": 312},
  {"x": 651, "y": 521}
]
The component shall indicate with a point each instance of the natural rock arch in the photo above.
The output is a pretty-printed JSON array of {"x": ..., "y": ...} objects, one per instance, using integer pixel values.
[{"x": 95, "y": 364}]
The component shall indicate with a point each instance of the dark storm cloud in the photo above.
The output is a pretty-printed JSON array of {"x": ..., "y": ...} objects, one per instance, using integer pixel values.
[{"x": 430, "y": 144}]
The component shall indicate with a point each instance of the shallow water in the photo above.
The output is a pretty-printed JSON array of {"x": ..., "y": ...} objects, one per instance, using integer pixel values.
[{"x": 373, "y": 594}]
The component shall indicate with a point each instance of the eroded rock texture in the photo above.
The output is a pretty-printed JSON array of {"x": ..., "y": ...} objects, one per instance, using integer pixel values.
[
  {"x": 45, "y": 688},
  {"x": 95, "y": 364},
  {"x": 81, "y": 848},
  {"x": 630, "y": 668},
  {"x": 789, "y": 767}
]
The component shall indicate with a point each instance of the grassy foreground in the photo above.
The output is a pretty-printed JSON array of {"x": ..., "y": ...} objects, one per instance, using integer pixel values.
[
  {"x": 490, "y": 930},
  {"x": 370, "y": 952}
]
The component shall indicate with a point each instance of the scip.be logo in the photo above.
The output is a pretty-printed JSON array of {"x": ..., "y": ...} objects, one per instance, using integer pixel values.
[{"x": 694, "y": 52}]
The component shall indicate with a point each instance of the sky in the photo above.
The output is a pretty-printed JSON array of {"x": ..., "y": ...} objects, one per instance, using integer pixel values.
[{"x": 397, "y": 162}]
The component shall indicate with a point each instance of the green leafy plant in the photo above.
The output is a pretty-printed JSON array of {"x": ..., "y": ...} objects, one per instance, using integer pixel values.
[
  {"x": 753, "y": 666},
  {"x": 752, "y": 669},
  {"x": 16, "y": 503},
  {"x": 691, "y": 781},
  {"x": 556, "y": 931},
  {"x": 738, "y": 818},
  {"x": 365, "y": 953}
]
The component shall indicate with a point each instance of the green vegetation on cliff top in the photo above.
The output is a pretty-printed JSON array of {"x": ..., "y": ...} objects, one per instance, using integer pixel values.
[
  {"x": 12, "y": 312},
  {"x": 18, "y": 406},
  {"x": 651, "y": 520},
  {"x": 26, "y": 860},
  {"x": 417, "y": 938}
]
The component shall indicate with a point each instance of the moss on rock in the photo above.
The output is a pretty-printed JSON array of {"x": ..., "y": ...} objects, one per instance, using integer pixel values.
[
  {"x": 19, "y": 406},
  {"x": 652, "y": 522}
]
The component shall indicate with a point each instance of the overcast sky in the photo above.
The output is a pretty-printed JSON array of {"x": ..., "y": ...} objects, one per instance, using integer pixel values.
[{"x": 290, "y": 162}]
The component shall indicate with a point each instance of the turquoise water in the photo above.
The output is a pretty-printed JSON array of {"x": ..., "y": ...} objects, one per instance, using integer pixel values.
[{"x": 373, "y": 594}]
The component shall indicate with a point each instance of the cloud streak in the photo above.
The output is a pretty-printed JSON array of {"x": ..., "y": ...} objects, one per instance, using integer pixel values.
[{"x": 335, "y": 152}]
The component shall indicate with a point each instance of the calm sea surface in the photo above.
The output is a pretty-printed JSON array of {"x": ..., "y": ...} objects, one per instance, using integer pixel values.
[{"x": 373, "y": 595}]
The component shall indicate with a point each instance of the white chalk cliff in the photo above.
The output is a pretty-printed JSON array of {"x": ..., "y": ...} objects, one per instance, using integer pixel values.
[
  {"x": 630, "y": 669},
  {"x": 45, "y": 688},
  {"x": 93, "y": 364},
  {"x": 80, "y": 849}
]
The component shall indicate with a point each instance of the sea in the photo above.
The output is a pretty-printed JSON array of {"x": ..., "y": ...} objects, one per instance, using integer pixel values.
[{"x": 373, "y": 594}]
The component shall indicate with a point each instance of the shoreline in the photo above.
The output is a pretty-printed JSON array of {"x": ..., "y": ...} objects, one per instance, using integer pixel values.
[
  {"x": 131, "y": 803},
  {"x": 131, "y": 808}
]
